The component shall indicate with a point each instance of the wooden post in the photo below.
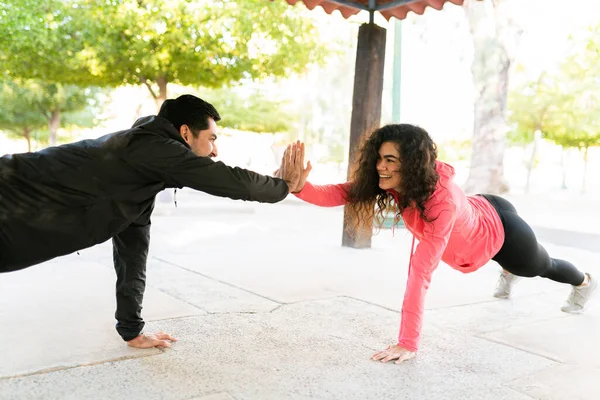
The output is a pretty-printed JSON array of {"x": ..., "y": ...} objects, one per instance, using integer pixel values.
[{"x": 366, "y": 108}]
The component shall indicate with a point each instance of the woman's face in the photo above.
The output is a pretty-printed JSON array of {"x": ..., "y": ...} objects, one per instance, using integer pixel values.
[{"x": 388, "y": 166}]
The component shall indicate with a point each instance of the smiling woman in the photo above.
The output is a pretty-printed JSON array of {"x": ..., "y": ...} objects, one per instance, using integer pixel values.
[{"x": 398, "y": 168}]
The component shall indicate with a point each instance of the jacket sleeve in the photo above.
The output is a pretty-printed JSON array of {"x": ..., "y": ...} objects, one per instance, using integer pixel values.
[
  {"x": 325, "y": 195},
  {"x": 168, "y": 161},
  {"x": 130, "y": 253},
  {"x": 424, "y": 261}
]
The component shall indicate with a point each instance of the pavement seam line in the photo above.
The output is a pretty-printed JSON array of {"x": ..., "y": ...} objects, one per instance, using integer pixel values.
[
  {"x": 368, "y": 302},
  {"x": 216, "y": 280},
  {"x": 177, "y": 298},
  {"x": 491, "y": 301},
  {"x": 520, "y": 392},
  {"x": 64, "y": 368},
  {"x": 520, "y": 349},
  {"x": 524, "y": 324}
]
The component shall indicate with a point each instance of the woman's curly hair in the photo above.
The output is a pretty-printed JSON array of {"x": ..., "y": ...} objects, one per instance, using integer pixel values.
[{"x": 417, "y": 170}]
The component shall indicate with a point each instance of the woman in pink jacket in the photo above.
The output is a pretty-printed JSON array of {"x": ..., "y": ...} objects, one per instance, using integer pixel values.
[{"x": 397, "y": 168}]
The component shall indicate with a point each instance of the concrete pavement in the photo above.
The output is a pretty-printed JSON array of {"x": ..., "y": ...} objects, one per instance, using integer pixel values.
[{"x": 267, "y": 305}]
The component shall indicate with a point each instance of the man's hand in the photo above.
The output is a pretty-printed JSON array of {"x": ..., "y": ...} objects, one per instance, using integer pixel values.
[
  {"x": 289, "y": 171},
  {"x": 148, "y": 340},
  {"x": 394, "y": 352},
  {"x": 292, "y": 167}
]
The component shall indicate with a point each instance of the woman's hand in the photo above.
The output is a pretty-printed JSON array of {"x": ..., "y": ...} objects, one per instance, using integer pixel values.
[
  {"x": 292, "y": 167},
  {"x": 394, "y": 352}
]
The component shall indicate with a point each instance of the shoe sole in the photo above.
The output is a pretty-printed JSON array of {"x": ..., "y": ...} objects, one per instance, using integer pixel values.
[{"x": 574, "y": 311}]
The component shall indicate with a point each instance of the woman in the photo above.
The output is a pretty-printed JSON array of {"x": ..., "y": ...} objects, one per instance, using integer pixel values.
[{"x": 397, "y": 168}]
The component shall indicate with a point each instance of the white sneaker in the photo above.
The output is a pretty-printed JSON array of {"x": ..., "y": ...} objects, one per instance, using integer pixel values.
[
  {"x": 579, "y": 296},
  {"x": 505, "y": 284}
]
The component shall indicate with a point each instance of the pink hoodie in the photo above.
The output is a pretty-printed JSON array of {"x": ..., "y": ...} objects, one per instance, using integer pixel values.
[{"x": 466, "y": 233}]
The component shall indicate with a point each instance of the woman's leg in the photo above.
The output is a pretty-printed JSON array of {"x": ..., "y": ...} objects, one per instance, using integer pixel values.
[{"x": 522, "y": 255}]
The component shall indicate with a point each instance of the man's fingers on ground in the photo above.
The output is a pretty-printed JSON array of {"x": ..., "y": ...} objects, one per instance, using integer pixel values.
[{"x": 166, "y": 336}]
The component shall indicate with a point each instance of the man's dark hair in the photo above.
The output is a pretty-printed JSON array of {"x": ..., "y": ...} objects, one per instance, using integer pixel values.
[{"x": 189, "y": 110}]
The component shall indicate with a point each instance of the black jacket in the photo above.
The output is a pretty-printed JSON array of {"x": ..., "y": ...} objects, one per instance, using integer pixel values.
[{"x": 66, "y": 198}]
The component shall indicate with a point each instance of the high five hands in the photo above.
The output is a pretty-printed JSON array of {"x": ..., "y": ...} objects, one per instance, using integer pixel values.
[{"x": 292, "y": 168}]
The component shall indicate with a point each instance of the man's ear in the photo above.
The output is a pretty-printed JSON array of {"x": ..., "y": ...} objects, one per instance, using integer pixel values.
[{"x": 185, "y": 133}]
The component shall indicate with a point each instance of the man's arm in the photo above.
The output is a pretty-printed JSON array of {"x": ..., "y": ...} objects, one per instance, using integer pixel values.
[
  {"x": 171, "y": 162},
  {"x": 130, "y": 252}
]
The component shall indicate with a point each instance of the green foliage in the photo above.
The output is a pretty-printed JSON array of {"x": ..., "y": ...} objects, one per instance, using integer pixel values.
[
  {"x": 29, "y": 106},
  {"x": 575, "y": 118},
  {"x": 19, "y": 116},
  {"x": 115, "y": 42},
  {"x": 455, "y": 150},
  {"x": 529, "y": 110},
  {"x": 37, "y": 41},
  {"x": 565, "y": 105},
  {"x": 250, "y": 111}
]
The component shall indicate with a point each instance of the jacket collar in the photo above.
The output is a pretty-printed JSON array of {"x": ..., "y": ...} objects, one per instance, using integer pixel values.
[{"x": 161, "y": 126}]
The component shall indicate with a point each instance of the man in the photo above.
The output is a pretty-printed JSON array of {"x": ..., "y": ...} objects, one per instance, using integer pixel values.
[{"x": 66, "y": 198}]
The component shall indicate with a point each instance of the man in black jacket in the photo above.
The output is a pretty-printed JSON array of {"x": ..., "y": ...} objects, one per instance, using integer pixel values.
[{"x": 66, "y": 198}]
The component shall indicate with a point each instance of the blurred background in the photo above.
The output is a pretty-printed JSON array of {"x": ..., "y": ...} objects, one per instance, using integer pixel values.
[{"x": 520, "y": 78}]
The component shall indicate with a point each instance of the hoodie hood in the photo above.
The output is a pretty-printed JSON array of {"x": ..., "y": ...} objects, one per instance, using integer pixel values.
[
  {"x": 161, "y": 126},
  {"x": 445, "y": 171}
]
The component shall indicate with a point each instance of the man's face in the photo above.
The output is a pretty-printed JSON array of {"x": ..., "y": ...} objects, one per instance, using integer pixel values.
[{"x": 203, "y": 145}]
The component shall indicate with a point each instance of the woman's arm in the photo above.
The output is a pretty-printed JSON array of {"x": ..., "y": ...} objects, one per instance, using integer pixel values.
[
  {"x": 325, "y": 195},
  {"x": 424, "y": 261}
]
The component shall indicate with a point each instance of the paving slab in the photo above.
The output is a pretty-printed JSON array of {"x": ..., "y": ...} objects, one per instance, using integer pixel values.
[
  {"x": 503, "y": 314},
  {"x": 61, "y": 314},
  {"x": 561, "y": 382},
  {"x": 216, "y": 396},
  {"x": 268, "y": 305},
  {"x": 292, "y": 253},
  {"x": 205, "y": 293},
  {"x": 574, "y": 339},
  {"x": 309, "y": 350}
]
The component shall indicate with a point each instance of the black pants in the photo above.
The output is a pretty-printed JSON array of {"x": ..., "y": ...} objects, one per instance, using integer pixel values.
[{"x": 522, "y": 255}]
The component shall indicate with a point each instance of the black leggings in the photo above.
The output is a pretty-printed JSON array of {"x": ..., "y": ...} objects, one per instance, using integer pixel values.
[{"x": 522, "y": 255}]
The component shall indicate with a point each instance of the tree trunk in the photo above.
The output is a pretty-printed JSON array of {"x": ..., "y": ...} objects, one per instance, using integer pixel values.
[
  {"x": 531, "y": 160},
  {"x": 491, "y": 63},
  {"x": 563, "y": 165},
  {"x": 585, "y": 167},
  {"x": 162, "y": 82},
  {"x": 53, "y": 124},
  {"x": 366, "y": 113},
  {"x": 27, "y": 135}
]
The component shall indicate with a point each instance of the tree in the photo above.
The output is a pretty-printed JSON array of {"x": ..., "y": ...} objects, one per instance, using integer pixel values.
[
  {"x": 38, "y": 41},
  {"x": 156, "y": 42},
  {"x": 576, "y": 124},
  {"x": 575, "y": 107},
  {"x": 55, "y": 100},
  {"x": 250, "y": 111},
  {"x": 529, "y": 107},
  {"x": 495, "y": 36},
  {"x": 18, "y": 115},
  {"x": 32, "y": 105}
]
